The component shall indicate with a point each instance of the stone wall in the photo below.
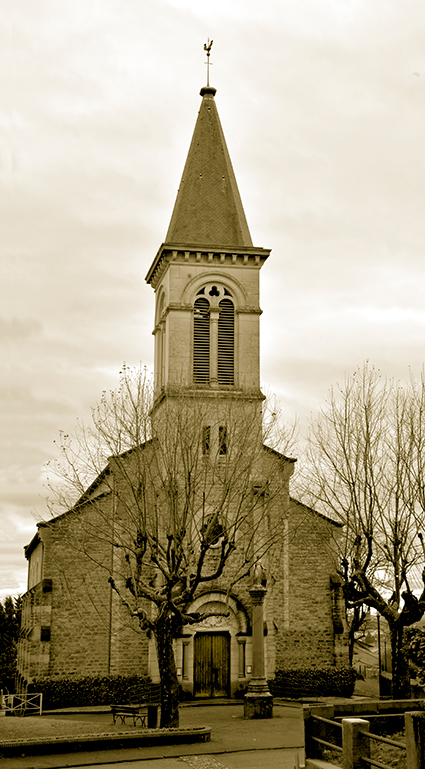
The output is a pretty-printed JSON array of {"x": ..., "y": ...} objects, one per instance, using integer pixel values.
[
  {"x": 302, "y": 601},
  {"x": 33, "y": 653},
  {"x": 91, "y": 632},
  {"x": 87, "y": 632}
]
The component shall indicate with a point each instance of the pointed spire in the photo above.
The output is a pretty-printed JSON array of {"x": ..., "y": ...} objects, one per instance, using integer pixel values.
[{"x": 208, "y": 210}]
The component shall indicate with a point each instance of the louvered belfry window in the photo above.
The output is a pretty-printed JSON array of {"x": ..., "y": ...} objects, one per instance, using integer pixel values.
[
  {"x": 226, "y": 343},
  {"x": 201, "y": 341},
  {"x": 214, "y": 337}
]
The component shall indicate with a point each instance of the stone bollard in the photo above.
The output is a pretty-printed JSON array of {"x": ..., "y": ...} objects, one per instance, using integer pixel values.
[
  {"x": 354, "y": 745},
  {"x": 415, "y": 739}
]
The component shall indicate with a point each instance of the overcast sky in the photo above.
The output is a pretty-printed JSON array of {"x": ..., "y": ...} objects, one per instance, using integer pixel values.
[{"x": 322, "y": 105}]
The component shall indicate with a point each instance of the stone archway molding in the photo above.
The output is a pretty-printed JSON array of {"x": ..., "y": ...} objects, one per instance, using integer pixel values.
[{"x": 229, "y": 603}]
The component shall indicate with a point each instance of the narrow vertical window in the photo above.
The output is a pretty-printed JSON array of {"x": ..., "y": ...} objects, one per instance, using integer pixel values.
[
  {"x": 206, "y": 440},
  {"x": 242, "y": 658},
  {"x": 222, "y": 441},
  {"x": 185, "y": 659},
  {"x": 226, "y": 343},
  {"x": 201, "y": 341}
]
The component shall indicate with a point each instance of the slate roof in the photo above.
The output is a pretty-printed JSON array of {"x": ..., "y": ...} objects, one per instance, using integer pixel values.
[{"x": 208, "y": 210}]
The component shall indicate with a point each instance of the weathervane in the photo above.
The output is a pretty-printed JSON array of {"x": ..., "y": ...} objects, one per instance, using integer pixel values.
[{"x": 207, "y": 48}]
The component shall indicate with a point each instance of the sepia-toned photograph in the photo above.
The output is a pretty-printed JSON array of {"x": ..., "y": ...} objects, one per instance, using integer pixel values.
[{"x": 212, "y": 399}]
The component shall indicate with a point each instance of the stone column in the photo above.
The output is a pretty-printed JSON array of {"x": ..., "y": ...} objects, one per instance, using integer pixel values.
[
  {"x": 214, "y": 316},
  {"x": 258, "y": 702}
]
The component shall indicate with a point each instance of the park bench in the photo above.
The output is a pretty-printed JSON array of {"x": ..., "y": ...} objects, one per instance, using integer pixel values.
[{"x": 142, "y": 707}]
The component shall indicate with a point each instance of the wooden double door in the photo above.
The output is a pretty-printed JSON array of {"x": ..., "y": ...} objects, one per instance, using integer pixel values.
[{"x": 211, "y": 665}]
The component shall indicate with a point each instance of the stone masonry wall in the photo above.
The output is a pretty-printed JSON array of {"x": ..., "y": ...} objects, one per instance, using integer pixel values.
[
  {"x": 302, "y": 593},
  {"x": 33, "y": 653},
  {"x": 80, "y": 595},
  {"x": 83, "y": 638},
  {"x": 92, "y": 633}
]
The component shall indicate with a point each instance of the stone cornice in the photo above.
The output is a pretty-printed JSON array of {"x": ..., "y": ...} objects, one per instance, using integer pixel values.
[
  {"x": 208, "y": 255},
  {"x": 232, "y": 392}
]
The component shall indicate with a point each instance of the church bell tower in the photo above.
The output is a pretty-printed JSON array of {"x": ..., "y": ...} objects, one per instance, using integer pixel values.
[{"x": 206, "y": 280}]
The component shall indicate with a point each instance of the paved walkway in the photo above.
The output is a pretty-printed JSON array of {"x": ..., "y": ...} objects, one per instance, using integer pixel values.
[{"x": 235, "y": 743}]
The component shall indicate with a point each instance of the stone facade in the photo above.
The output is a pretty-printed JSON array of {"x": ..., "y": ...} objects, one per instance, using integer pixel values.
[
  {"x": 75, "y": 625},
  {"x": 72, "y": 624},
  {"x": 206, "y": 328},
  {"x": 306, "y": 632}
]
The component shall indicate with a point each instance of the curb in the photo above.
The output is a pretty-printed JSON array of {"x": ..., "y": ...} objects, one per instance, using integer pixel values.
[{"x": 150, "y": 737}]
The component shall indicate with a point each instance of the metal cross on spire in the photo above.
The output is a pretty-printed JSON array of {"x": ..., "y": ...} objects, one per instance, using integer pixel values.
[{"x": 207, "y": 48}]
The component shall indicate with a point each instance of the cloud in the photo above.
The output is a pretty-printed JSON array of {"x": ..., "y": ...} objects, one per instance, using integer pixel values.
[
  {"x": 15, "y": 532},
  {"x": 19, "y": 328}
]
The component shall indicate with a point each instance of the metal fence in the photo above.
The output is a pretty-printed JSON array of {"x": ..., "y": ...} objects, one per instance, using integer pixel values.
[{"x": 23, "y": 704}]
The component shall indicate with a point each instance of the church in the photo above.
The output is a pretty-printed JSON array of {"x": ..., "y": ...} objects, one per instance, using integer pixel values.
[{"x": 207, "y": 352}]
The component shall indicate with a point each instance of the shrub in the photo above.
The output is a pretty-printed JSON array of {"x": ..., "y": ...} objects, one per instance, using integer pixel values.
[
  {"x": 10, "y": 622},
  {"x": 313, "y": 682},
  {"x": 93, "y": 690},
  {"x": 415, "y": 645},
  {"x": 184, "y": 695}
]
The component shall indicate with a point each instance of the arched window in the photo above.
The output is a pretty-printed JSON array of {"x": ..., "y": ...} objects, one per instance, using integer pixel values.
[
  {"x": 226, "y": 343},
  {"x": 212, "y": 530},
  {"x": 201, "y": 341},
  {"x": 214, "y": 337}
]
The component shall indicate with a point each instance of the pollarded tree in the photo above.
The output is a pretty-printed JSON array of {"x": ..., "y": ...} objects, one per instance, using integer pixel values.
[
  {"x": 197, "y": 496},
  {"x": 365, "y": 468}
]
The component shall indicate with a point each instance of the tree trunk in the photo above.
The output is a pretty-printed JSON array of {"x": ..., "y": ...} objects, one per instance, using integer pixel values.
[
  {"x": 354, "y": 626},
  {"x": 400, "y": 664},
  {"x": 167, "y": 672},
  {"x": 351, "y": 642}
]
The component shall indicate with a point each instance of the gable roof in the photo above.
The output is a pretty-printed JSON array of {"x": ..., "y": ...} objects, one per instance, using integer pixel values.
[
  {"x": 208, "y": 210},
  {"x": 87, "y": 495},
  {"x": 269, "y": 450},
  {"x": 338, "y": 524}
]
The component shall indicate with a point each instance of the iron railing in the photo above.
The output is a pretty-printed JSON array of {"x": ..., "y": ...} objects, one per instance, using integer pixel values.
[{"x": 23, "y": 704}]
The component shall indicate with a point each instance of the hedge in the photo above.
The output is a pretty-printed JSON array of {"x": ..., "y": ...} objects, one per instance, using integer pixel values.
[
  {"x": 92, "y": 690},
  {"x": 294, "y": 683}
]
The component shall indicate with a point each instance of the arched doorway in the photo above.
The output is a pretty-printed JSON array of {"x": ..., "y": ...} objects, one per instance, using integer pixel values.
[{"x": 213, "y": 656}]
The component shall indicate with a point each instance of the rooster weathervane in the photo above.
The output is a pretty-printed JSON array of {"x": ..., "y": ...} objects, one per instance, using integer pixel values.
[{"x": 207, "y": 48}]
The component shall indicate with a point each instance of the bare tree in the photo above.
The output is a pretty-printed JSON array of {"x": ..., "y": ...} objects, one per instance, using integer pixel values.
[
  {"x": 365, "y": 468},
  {"x": 197, "y": 497}
]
